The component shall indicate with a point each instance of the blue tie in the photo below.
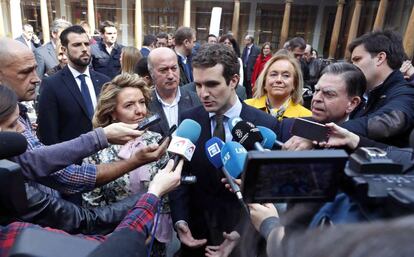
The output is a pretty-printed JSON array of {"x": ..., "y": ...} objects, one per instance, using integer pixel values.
[{"x": 86, "y": 96}]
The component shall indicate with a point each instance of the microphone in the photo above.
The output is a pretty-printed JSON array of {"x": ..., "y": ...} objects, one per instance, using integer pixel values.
[
  {"x": 182, "y": 145},
  {"x": 12, "y": 144},
  {"x": 233, "y": 156},
  {"x": 269, "y": 138},
  {"x": 248, "y": 135},
  {"x": 213, "y": 149}
]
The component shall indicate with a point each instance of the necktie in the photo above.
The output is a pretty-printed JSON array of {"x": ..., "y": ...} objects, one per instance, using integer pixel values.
[
  {"x": 219, "y": 129},
  {"x": 86, "y": 96}
]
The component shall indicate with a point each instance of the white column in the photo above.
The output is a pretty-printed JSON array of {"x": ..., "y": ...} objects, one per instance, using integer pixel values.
[
  {"x": 215, "y": 21},
  {"x": 45, "y": 21},
  {"x": 15, "y": 18},
  {"x": 124, "y": 25},
  {"x": 318, "y": 25},
  {"x": 91, "y": 16},
  {"x": 252, "y": 18},
  {"x": 2, "y": 23},
  {"x": 138, "y": 24},
  {"x": 62, "y": 9},
  {"x": 187, "y": 13}
]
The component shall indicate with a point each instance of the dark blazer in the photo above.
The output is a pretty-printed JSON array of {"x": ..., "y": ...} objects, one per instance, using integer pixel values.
[
  {"x": 145, "y": 51},
  {"x": 187, "y": 101},
  {"x": 183, "y": 76},
  {"x": 105, "y": 63},
  {"x": 46, "y": 58},
  {"x": 248, "y": 67},
  {"x": 207, "y": 206},
  {"x": 62, "y": 111},
  {"x": 33, "y": 45}
]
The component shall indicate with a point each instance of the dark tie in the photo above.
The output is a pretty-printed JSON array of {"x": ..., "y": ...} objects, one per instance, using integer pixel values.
[
  {"x": 219, "y": 129},
  {"x": 86, "y": 96}
]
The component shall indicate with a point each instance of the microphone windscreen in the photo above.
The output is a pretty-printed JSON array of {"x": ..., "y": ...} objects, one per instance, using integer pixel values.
[
  {"x": 189, "y": 129},
  {"x": 233, "y": 121},
  {"x": 12, "y": 144},
  {"x": 246, "y": 134},
  {"x": 233, "y": 156},
  {"x": 269, "y": 137},
  {"x": 213, "y": 148}
]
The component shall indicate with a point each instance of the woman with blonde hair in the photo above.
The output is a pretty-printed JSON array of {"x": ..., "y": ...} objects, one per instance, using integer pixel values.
[
  {"x": 125, "y": 99},
  {"x": 129, "y": 57},
  {"x": 279, "y": 88}
]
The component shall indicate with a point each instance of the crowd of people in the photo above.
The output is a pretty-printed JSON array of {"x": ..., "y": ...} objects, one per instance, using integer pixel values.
[{"x": 90, "y": 173}]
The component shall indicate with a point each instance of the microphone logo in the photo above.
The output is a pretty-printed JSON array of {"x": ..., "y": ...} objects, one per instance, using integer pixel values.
[
  {"x": 190, "y": 150},
  {"x": 240, "y": 150},
  {"x": 225, "y": 158},
  {"x": 238, "y": 133},
  {"x": 213, "y": 150}
]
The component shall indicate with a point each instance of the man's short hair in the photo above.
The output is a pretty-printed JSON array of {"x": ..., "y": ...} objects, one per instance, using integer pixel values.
[
  {"x": 209, "y": 55},
  {"x": 149, "y": 40},
  {"x": 104, "y": 25},
  {"x": 387, "y": 41},
  {"x": 162, "y": 35},
  {"x": 59, "y": 24},
  {"x": 27, "y": 25},
  {"x": 72, "y": 29},
  {"x": 250, "y": 37},
  {"x": 296, "y": 42},
  {"x": 182, "y": 34},
  {"x": 353, "y": 77},
  {"x": 210, "y": 35}
]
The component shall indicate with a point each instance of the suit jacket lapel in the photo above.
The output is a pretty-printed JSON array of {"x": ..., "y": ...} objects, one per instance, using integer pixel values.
[
  {"x": 246, "y": 114},
  {"x": 204, "y": 122},
  {"x": 52, "y": 52},
  {"x": 96, "y": 83},
  {"x": 157, "y": 108},
  {"x": 72, "y": 86}
]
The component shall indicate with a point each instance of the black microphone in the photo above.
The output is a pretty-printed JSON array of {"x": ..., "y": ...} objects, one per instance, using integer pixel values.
[
  {"x": 12, "y": 144},
  {"x": 248, "y": 135}
]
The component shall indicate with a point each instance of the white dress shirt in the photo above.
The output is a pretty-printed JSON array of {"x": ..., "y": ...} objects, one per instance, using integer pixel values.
[{"x": 88, "y": 81}]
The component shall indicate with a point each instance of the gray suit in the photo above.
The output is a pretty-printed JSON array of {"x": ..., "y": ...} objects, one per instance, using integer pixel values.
[
  {"x": 33, "y": 46},
  {"x": 187, "y": 101},
  {"x": 46, "y": 58}
]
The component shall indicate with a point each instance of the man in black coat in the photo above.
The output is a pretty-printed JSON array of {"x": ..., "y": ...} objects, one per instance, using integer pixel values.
[
  {"x": 249, "y": 56},
  {"x": 68, "y": 98},
  {"x": 206, "y": 209}
]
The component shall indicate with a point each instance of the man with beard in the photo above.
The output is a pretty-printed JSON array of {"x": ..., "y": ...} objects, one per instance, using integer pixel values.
[{"x": 68, "y": 98}]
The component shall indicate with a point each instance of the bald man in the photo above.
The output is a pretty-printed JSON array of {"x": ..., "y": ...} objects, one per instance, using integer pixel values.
[{"x": 168, "y": 99}]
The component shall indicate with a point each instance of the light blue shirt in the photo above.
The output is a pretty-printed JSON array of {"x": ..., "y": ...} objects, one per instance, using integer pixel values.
[{"x": 233, "y": 112}]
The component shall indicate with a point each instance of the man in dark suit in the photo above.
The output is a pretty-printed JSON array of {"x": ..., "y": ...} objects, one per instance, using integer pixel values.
[
  {"x": 29, "y": 38},
  {"x": 249, "y": 56},
  {"x": 45, "y": 55},
  {"x": 68, "y": 98},
  {"x": 167, "y": 98},
  {"x": 148, "y": 45},
  {"x": 184, "y": 44},
  {"x": 106, "y": 54},
  {"x": 206, "y": 209}
]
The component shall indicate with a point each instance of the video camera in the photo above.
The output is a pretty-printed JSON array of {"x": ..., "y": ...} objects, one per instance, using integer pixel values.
[{"x": 368, "y": 176}]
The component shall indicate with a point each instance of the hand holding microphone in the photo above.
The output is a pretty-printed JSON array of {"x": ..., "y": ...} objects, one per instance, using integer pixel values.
[
  {"x": 182, "y": 145},
  {"x": 217, "y": 153}
]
